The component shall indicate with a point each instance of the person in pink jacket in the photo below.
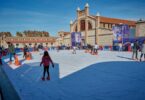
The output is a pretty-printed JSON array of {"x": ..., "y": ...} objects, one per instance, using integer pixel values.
[{"x": 46, "y": 60}]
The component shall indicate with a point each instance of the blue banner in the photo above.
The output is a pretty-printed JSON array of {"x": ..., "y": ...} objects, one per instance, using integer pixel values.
[
  {"x": 76, "y": 38},
  {"x": 120, "y": 31}
]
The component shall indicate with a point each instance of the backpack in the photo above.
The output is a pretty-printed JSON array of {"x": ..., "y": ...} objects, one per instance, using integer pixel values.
[{"x": 46, "y": 61}]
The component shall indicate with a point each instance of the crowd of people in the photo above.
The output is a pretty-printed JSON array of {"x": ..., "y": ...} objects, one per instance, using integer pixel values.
[{"x": 136, "y": 47}]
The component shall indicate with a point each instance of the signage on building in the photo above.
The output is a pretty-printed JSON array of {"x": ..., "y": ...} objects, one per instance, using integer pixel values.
[
  {"x": 120, "y": 32},
  {"x": 76, "y": 38}
]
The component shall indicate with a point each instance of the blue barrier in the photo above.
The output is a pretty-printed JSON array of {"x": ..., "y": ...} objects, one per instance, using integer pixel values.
[
  {"x": 106, "y": 48},
  {"x": 7, "y": 90},
  {"x": 30, "y": 49}
]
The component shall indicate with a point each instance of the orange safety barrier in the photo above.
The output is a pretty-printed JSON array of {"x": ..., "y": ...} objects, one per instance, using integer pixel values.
[
  {"x": 28, "y": 56},
  {"x": 17, "y": 63}
]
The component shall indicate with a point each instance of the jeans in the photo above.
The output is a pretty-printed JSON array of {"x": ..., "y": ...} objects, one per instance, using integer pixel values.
[{"x": 11, "y": 55}]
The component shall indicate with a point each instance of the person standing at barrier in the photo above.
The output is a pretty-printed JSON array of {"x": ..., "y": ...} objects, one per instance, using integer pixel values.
[
  {"x": 142, "y": 51},
  {"x": 46, "y": 60},
  {"x": 11, "y": 50},
  {"x": 135, "y": 50},
  {"x": 25, "y": 51}
]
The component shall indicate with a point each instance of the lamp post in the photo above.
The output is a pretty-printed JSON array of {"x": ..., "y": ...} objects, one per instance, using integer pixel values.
[
  {"x": 120, "y": 25},
  {"x": 96, "y": 25},
  {"x": 95, "y": 31}
]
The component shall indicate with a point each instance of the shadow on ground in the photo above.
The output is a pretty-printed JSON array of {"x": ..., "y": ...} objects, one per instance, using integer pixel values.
[
  {"x": 125, "y": 57},
  {"x": 101, "y": 81},
  {"x": 106, "y": 81}
]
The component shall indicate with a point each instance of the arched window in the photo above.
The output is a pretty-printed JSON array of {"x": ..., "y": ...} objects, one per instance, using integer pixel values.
[{"x": 82, "y": 25}]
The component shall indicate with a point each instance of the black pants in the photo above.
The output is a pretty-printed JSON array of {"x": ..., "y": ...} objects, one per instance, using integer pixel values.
[
  {"x": 95, "y": 50},
  {"x": 24, "y": 54},
  {"x": 142, "y": 55},
  {"x": 46, "y": 69},
  {"x": 1, "y": 62}
]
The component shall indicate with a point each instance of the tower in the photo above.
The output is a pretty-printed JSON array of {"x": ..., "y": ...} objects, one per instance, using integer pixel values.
[{"x": 86, "y": 22}]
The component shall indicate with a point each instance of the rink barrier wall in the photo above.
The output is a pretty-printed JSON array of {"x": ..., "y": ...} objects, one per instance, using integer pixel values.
[{"x": 7, "y": 90}]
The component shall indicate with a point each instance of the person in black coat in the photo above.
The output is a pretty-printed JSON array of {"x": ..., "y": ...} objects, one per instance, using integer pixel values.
[{"x": 135, "y": 50}]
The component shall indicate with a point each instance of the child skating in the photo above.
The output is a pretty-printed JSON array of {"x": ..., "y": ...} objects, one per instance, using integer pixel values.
[{"x": 46, "y": 60}]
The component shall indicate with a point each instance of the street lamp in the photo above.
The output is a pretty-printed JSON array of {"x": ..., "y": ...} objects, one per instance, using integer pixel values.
[
  {"x": 120, "y": 25},
  {"x": 95, "y": 30},
  {"x": 96, "y": 19}
]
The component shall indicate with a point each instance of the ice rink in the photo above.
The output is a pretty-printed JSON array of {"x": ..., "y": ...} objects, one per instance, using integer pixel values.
[{"x": 107, "y": 76}]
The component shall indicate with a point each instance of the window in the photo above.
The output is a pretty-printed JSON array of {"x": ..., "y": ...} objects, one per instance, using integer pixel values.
[
  {"x": 106, "y": 25},
  {"x": 76, "y": 28},
  {"x": 82, "y": 24},
  {"x": 103, "y": 25}
]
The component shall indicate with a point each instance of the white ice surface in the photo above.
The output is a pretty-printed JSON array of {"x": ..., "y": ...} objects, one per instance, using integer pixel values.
[{"x": 107, "y": 76}]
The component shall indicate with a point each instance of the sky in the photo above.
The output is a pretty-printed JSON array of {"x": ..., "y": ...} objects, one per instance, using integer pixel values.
[{"x": 55, "y": 15}]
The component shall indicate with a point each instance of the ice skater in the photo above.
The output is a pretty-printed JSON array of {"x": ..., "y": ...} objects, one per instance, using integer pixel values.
[
  {"x": 25, "y": 51},
  {"x": 11, "y": 50},
  {"x": 142, "y": 51},
  {"x": 135, "y": 50},
  {"x": 46, "y": 60}
]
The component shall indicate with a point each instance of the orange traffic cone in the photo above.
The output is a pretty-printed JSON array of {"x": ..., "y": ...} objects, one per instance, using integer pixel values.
[
  {"x": 28, "y": 56},
  {"x": 17, "y": 63}
]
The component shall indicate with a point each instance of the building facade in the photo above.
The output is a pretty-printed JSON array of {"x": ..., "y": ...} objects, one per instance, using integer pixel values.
[
  {"x": 63, "y": 38},
  {"x": 140, "y": 28},
  {"x": 29, "y": 41},
  {"x": 96, "y": 29}
]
